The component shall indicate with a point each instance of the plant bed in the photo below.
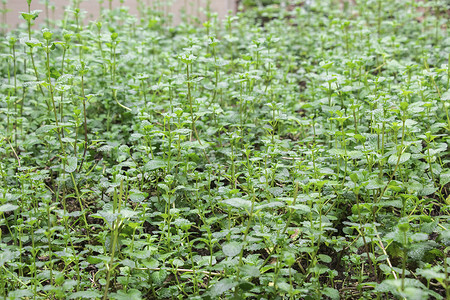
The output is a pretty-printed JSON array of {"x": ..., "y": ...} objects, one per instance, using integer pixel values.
[{"x": 303, "y": 159}]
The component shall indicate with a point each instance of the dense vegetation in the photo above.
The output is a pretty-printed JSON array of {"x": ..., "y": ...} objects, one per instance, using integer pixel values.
[{"x": 288, "y": 152}]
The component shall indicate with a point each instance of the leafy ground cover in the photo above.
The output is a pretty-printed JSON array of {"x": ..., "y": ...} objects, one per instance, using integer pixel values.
[{"x": 289, "y": 152}]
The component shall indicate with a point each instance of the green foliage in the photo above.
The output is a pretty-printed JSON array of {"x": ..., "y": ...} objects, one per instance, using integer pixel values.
[{"x": 289, "y": 152}]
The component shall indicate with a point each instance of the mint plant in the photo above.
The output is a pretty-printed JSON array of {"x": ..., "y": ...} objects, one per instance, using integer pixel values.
[{"x": 294, "y": 150}]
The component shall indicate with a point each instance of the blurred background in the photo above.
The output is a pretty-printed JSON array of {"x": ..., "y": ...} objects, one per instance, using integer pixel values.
[{"x": 54, "y": 9}]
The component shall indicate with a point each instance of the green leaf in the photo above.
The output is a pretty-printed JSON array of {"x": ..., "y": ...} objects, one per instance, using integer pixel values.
[
  {"x": 332, "y": 293},
  {"x": 445, "y": 237},
  {"x": 69, "y": 284},
  {"x": 137, "y": 196},
  {"x": 276, "y": 191},
  {"x": 20, "y": 294},
  {"x": 187, "y": 58},
  {"x": 45, "y": 128},
  {"x": 431, "y": 274},
  {"x": 301, "y": 208},
  {"x": 375, "y": 184},
  {"x": 154, "y": 164},
  {"x": 151, "y": 263},
  {"x": 31, "y": 16},
  {"x": 142, "y": 254},
  {"x": 164, "y": 187},
  {"x": 418, "y": 249},
  {"x": 93, "y": 259},
  {"x": 246, "y": 286},
  {"x": 131, "y": 294},
  {"x": 7, "y": 256},
  {"x": 158, "y": 277},
  {"x": 232, "y": 249},
  {"x": 427, "y": 190},
  {"x": 238, "y": 203},
  {"x": 269, "y": 205},
  {"x": 221, "y": 287},
  {"x": 444, "y": 178},
  {"x": 8, "y": 207},
  {"x": 393, "y": 159},
  {"x": 85, "y": 295},
  {"x": 324, "y": 258},
  {"x": 428, "y": 227},
  {"x": 71, "y": 164},
  {"x": 251, "y": 271},
  {"x": 108, "y": 216},
  {"x": 54, "y": 73},
  {"x": 31, "y": 42},
  {"x": 128, "y": 213},
  {"x": 284, "y": 286},
  {"x": 446, "y": 96},
  {"x": 47, "y": 35},
  {"x": 289, "y": 258},
  {"x": 183, "y": 131},
  {"x": 27, "y": 16}
]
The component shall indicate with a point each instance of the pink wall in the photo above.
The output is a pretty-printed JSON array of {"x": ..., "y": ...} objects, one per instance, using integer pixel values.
[{"x": 92, "y": 7}]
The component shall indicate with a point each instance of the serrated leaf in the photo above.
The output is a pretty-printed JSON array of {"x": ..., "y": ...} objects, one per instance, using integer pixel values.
[
  {"x": 276, "y": 191},
  {"x": 430, "y": 274},
  {"x": 336, "y": 151},
  {"x": 251, "y": 271},
  {"x": 137, "y": 196},
  {"x": 221, "y": 287},
  {"x": 142, "y": 254},
  {"x": 232, "y": 249},
  {"x": 108, "y": 216},
  {"x": 284, "y": 286},
  {"x": 428, "y": 227},
  {"x": 183, "y": 131},
  {"x": 64, "y": 78},
  {"x": 54, "y": 73},
  {"x": 155, "y": 164},
  {"x": 393, "y": 159},
  {"x": 69, "y": 284},
  {"x": 128, "y": 213},
  {"x": 246, "y": 286},
  {"x": 238, "y": 202},
  {"x": 158, "y": 277},
  {"x": 324, "y": 258},
  {"x": 427, "y": 190},
  {"x": 301, "y": 208},
  {"x": 151, "y": 263},
  {"x": 93, "y": 259},
  {"x": 164, "y": 187},
  {"x": 375, "y": 184},
  {"x": 20, "y": 294},
  {"x": 332, "y": 293},
  {"x": 417, "y": 250},
  {"x": 6, "y": 256},
  {"x": 444, "y": 178},
  {"x": 45, "y": 128},
  {"x": 85, "y": 295},
  {"x": 105, "y": 148},
  {"x": 446, "y": 96},
  {"x": 131, "y": 294},
  {"x": 8, "y": 207},
  {"x": 71, "y": 164},
  {"x": 270, "y": 205}
]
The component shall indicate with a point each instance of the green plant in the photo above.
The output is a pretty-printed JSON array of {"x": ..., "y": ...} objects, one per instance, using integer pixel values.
[{"x": 281, "y": 154}]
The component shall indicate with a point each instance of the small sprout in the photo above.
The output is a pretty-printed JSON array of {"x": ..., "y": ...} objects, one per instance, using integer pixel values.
[
  {"x": 403, "y": 227},
  {"x": 187, "y": 57},
  {"x": 47, "y": 35}
]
